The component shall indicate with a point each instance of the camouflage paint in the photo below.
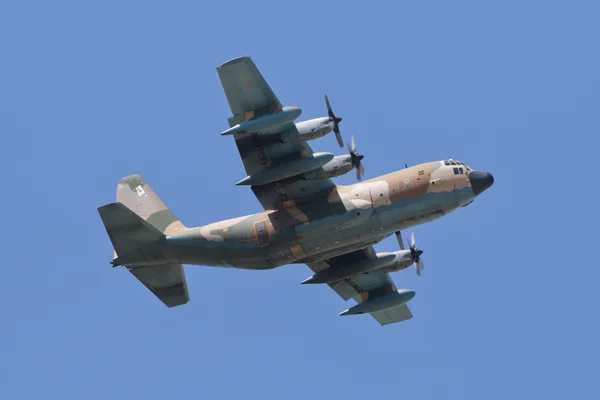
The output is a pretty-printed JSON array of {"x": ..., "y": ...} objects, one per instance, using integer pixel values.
[
  {"x": 370, "y": 211},
  {"x": 306, "y": 220}
]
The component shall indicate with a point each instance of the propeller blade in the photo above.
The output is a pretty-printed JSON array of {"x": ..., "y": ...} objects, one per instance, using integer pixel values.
[
  {"x": 335, "y": 121},
  {"x": 356, "y": 158},
  {"x": 338, "y": 136},
  {"x": 331, "y": 115},
  {"x": 420, "y": 264},
  {"x": 412, "y": 240},
  {"x": 417, "y": 269},
  {"x": 400, "y": 241}
]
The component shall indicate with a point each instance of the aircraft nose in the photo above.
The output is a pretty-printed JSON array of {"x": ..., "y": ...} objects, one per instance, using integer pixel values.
[{"x": 480, "y": 181}]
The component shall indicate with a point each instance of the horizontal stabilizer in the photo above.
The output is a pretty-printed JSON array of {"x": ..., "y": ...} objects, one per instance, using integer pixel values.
[
  {"x": 136, "y": 241},
  {"x": 167, "y": 282},
  {"x": 129, "y": 233}
]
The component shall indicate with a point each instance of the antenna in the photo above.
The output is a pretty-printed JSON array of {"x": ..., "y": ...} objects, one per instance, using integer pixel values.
[{"x": 405, "y": 165}]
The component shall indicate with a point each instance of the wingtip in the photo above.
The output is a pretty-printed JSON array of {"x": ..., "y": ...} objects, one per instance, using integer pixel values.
[
  {"x": 233, "y": 61},
  {"x": 131, "y": 178},
  {"x": 107, "y": 206},
  {"x": 244, "y": 182}
]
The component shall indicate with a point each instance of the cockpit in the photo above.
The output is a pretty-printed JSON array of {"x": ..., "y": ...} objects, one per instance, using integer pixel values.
[
  {"x": 460, "y": 168},
  {"x": 451, "y": 171}
]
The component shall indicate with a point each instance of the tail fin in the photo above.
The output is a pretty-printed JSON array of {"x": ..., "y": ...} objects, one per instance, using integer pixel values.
[
  {"x": 139, "y": 197},
  {"x": 136, "y": 224}
]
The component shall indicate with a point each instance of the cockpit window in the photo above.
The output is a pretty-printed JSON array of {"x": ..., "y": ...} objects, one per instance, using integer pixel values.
[
  {"x": 458, "y": 171},
  {"x": 454, "y": 162}
]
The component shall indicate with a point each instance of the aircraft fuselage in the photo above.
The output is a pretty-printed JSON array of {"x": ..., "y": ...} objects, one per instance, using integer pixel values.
[{"x": 371, "y": 211}]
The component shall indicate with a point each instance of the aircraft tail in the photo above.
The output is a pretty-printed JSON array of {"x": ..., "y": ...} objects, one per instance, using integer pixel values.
[
  {"x": 142, "y": 208},
  {"x": 139, "y": 197},
  {"x": 136, "y": 224},
  {"x": 132, "y": 237}
]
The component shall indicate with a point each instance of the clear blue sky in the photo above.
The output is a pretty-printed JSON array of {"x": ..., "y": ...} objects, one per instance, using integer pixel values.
[{"x": 507, "y": 306}]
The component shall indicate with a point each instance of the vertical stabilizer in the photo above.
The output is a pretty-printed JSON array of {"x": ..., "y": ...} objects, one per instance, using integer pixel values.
[{"x": 135, "y": 193}]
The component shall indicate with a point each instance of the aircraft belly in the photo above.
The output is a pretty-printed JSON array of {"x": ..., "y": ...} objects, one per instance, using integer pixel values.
[
  {"x": 348, "y": 232},
  {"x": 254, "y": 245}
]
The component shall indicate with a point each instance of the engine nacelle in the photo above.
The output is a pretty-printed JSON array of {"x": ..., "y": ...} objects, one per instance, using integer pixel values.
[
  {"x": 401, "y": 261},
  {"x": 313, "y": 128},
  {"x": 339, "y": 272},
  {"x": 340, "y": 165},
  {"x": 286, "y": 170}
]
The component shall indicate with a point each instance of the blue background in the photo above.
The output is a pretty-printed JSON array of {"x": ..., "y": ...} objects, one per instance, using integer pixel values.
[{"x": 507, "y": 304}]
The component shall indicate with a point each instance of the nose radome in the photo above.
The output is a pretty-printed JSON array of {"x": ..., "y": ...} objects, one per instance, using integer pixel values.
[{"x": 480, "y": 181}]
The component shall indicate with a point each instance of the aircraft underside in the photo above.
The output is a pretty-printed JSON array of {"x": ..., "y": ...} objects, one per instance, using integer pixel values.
[
  {"x": 357, "y": 233},
  {"x": 307, "y": 218}
]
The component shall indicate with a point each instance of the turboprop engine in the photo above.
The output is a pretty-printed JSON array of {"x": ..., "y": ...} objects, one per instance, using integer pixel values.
[
  {"x": 316, "y": 128},
  {"x": 412, "y": 256},
  {"x": 382, "y": 262},
  {"x": 340, "y": 165}
]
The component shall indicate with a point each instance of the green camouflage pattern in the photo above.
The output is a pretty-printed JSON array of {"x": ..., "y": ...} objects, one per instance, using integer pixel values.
[{"x": 314, "y": 222}]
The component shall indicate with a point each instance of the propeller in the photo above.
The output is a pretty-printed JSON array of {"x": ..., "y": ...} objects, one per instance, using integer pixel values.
[
  {"x": 356, "y": 158},
  {"x": 336, "y": 121},
  {"x": 415, "y": 253}
]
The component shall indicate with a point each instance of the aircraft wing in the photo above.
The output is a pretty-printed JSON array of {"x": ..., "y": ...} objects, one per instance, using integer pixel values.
[
  {"x": 245, "y": 88},
  {"x": 249, "y": 95},
  {"x": 361, "y": 287}
]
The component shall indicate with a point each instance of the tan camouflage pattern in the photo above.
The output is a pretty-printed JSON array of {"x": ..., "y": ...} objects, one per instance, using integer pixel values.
[
  {"x": 369, "y": 195},
  {"x": 309, "y": 221},
  {"x": 292, "y": 225},
  {"x": 139, "y": 197}
]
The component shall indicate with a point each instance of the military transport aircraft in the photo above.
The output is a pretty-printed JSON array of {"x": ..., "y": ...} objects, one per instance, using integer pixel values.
[{"x": 307, "y": 219}]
